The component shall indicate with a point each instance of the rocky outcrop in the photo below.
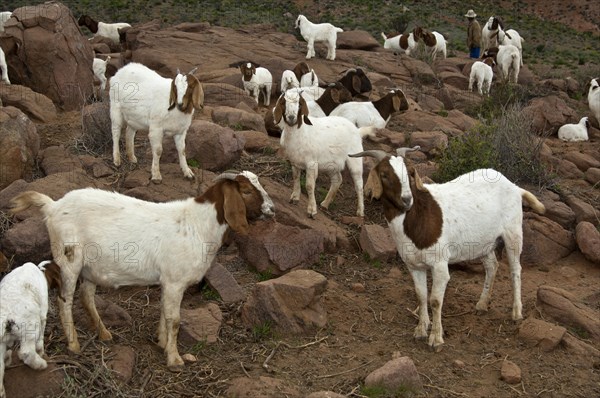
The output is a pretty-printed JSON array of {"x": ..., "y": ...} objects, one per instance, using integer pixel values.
[
  {"x": 19, "y": 146},
  {"x": 291, "y": 304},
  {"x": 46, "y": 51}
]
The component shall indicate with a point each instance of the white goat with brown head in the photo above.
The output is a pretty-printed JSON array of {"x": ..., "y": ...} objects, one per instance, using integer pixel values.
[
  {"x": 170, "y": 244},
  {"x": 256, "y": 80},
  {"x": 439, "y": 224},
  {"x": 141, "y": 99},
  {"x": 319, "y": 145}
]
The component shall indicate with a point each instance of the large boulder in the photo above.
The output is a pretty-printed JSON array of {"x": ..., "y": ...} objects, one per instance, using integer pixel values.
[
  {"x": 566, "y": 309},
  {"x": 213, "y": 147},
  {"x": 549, "y": 114},
  {"x": 545, "y": 241},
  {"x": 357, "y": 40},
  {"x": 291, "y": 304},
  {"x": 47, "y": 52},
  {"x": 277, "y": 248},
  {"x": 19, "y": 146},
  {"x": 588, "y": 240},
  {"x": 35, "y": 105}
]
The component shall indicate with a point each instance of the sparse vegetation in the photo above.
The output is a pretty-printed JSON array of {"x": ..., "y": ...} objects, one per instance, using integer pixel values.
[
  {"x": 506, "y": 144},
  {"x": 262, "y": 331}
]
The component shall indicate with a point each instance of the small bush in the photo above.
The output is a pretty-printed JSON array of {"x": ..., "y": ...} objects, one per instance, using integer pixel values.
[{"x": 505, "y": 144}]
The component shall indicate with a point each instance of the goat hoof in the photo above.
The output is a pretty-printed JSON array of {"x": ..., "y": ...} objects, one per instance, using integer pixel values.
[
  {"x": 294, "y": 201},
  {"x": 157, "y": 180},
  {"x": 436, "y": 348},
  {"x": 178, "y": 366}
]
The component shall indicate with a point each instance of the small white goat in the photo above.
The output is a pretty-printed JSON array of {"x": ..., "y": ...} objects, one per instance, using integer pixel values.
[
  {"x": 141, "y": 99},
  {"x": 108, "y": 30},
  {"x": 575, "y": 132},
  {"x": 4, "y": 67},
  {"x": 434, "y": 41},
  {"x": 257, "y": 80},
  {"x": 4, "y": 16},
  {"x": 309, "y": 79},
  {"x": 594, "y": 98},
  {"x": 23, "y": 312},
  {"x": 439, "y": 224},
  {"x": 377, "y": 113},
  {"x": 322, "y": 32},
  {"x": 489, "y": 33},
  {"x": 508, "y": 59},
  {"x": 99, "y": 68},
  {"x": 142, "y": 243},
  {"x": 404, "y": 43},
  {"x": 483, "y": 74},
  {"x": 319, "y": 145},
  {"x": 334, "y": 95},
  {"x": 288, "y": 80},
  {"x": 509, "y": 37}
]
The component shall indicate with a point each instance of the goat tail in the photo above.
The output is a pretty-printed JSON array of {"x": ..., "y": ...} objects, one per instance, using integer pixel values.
[
  {"x": 28, "y": 199},
  {"x": 383, "y": 36},
  {"x": 339, "y": 30},
  {"x": 368, "y": 131},
  {"x": 533, "y": 202}
]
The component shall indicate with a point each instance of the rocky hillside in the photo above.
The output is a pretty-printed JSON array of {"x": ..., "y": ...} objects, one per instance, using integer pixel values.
[{"x": 307, "y": 307}]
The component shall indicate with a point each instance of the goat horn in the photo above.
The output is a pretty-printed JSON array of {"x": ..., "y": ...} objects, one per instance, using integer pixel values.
[
  {"x": 373, "y": 153},
  {"x": 178, "y": 72},
  {"x": 192, "y": 71},
  {"x": 225, "y": 176},
  {"x": 403, "y": 151}
]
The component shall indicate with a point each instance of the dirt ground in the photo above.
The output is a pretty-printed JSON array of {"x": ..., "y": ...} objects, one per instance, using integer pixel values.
[{"x": 364, "y": 329}]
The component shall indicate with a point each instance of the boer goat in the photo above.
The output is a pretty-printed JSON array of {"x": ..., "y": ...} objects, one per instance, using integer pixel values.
[
  {"x": 142, "y": 243},
  {"x": 319, "y": 145},
  {"x": 439, "y": 224},
  {"x": 141, "y": 99}
]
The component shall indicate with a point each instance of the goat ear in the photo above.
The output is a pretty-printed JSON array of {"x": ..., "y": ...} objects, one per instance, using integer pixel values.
[
  {"x": 53, "y": 277},
  {"x": 278, "y": 110},
  {"x": 396, "y": 103},
  {"x": 356, "y": 83},
  {"x": 304, "y": 113},
  {"x": 373, "y": 187},
  {"x": 198, "y": 96},
  {"x": 234, "y": 208},
  {"x": 173, "y": 95},
  {"x": 418, "y": 182},
  {"x": 335, "y": 95}
]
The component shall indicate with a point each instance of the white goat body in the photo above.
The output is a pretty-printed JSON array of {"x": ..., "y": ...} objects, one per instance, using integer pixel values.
[
  {"x": 99, "y": 68},
  {"x": 594, "y": 98},
  {"x": 508, "y": 60},
  {"x": 4, "y": 67},
  {"x": 108, "y": 30},
  {"x": 434, "y": 42},
  {"x": 439, "y": 224},
  {"x": 288, "y": 80},
  {"x": 403, "y": 43},
  {"x": 256, "y": 80},
  {"x": 483, "y": 74},
  {"x": 309, "y": 79},
  {"x": 135, "y": 242},
  {"x": 367, "y": 113},
  {"x": 141, "y": 99},
  {"x": 23, "y": 312},
  {"x": 319, "y": 145},
  {"x": 489, "y": 33},
  {"x": 575, "y": 132},
  {"x": 511, "y": 37},
  {"x": 321, "y": 32}
]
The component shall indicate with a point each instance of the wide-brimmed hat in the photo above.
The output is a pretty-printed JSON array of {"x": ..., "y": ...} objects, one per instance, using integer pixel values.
[{"x": 470, "y": 14}]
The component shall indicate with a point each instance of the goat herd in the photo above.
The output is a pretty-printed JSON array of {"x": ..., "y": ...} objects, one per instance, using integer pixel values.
[{"x": 174, "y": 243}]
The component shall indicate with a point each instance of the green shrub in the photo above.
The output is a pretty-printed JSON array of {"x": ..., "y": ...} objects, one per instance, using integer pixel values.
[{"x": 506, "y": 144}]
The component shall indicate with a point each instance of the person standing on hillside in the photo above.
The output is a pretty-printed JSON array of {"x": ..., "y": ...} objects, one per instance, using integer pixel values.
[{"x": 473, "y": 35}]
